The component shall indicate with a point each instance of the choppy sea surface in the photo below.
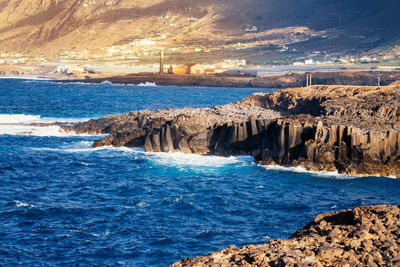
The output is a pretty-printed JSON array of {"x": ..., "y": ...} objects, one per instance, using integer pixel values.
[{"x": 65, "y": 203}]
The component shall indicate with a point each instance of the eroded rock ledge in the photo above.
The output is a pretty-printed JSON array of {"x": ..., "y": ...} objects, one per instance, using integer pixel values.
[
  {"x": 365, "y": 236},
  {"x": 348, "y": 129}
]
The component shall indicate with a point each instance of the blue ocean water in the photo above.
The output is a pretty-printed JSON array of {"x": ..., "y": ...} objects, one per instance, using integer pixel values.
[{"x": 63, "y": 202}]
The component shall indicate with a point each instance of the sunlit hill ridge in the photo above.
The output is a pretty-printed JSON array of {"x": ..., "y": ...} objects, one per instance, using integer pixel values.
[{"x": 136, "y": 29}]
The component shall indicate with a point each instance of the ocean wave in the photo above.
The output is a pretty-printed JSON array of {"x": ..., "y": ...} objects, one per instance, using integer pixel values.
[
  {"x": 23, "y": 204},
  {"x": 24, "y": 77},
  {"x": 150, "y": 84},
  {"x": 106, "y": 82},
  {"x": 86, "y": 147},
  {"x": 300, "y": 169},
  {"x": 66, "y": 82},
  {"x": 145, "y": 84},
  {"x": 160, "y": 158},
  {"x": 32, "y": 130},
  {"x": 27, "y": 118},
  {"x": 83, "y": 147},
  {"x": 179, "y": 159},
  {"x": 72, "y": 83},
  {"x": 18, "y": 118},
  {"x": 20, "y": 124}
]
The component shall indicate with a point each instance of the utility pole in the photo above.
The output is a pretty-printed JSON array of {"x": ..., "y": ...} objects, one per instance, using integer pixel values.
[
  {"x": 308, "y": 79},
  {"x": 162, "y": 61}
]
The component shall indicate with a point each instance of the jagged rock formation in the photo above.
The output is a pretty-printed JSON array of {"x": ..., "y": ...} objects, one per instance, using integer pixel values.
[
  {"x": 352, "y": 130},
  {"x": 365, "y": 236},
  {"x": 221, "y": 130}
]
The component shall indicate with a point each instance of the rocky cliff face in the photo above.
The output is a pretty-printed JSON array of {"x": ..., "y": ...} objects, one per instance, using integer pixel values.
[
  {"x": 320, "y": 146},
  {"x": 222, "y": 130},
  {"x": 352, "y": 130},
  {"x": 365, "y": 236}
]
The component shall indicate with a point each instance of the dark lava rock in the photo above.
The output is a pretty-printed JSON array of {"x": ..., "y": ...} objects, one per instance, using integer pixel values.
[
  {"x": 311, "y": 246},
  {"x": 347, "y": 129}
]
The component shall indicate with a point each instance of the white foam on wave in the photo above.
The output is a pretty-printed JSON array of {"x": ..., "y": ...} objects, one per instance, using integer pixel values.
[
  {"x": 18, "y": 118},
  {"x": 300, "y": 169},
  {"x": 145, "y": 84},
  {"x": 83, "y": 147},
  {"x": 77, "y": 83},
  {"x": 86, "y": 147},
  {"x": 106, "y": 82},
  {"x": 179, "y": 159},
  {"x": 24, "y": 77},
  {"x": 20, "y": 124},
  {"x": 66, "y": 82},
  {"x": 149, "y": 84},
  {"x": 80, "y": 150},
  {"x": 23, "y": 204},
  {"x": 35, "y": 130},
  {"x": 26, "y": 118},
  {"x": 160, "y": 158}
]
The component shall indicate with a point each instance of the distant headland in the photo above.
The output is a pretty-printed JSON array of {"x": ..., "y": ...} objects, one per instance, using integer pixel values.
[{"x": 282, "y": 79}]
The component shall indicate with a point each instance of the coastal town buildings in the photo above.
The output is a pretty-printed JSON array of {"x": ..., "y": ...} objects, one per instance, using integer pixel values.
[
  {"x": 180, "y": 69},
  {"x": 198, "y": 69}
]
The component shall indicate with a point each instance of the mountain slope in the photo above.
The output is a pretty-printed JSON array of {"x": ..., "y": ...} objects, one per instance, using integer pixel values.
[{"x": 51, "y": 27}]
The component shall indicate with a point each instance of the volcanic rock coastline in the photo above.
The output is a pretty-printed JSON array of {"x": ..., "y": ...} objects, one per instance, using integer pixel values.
[
  {"x": 277, "y": 80},
  {"x": 347, "y": 129},
  {"x": 364, "y": 236}
]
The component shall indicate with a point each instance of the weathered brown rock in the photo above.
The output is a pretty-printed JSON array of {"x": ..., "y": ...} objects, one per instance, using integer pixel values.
[
  {"x": 353, "y": 130},
  {"x": 310, "y": 246},
  {"x": 223, "y": 130}
]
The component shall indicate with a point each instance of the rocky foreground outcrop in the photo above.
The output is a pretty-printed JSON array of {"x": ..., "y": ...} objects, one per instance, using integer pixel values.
[
  {"x": 348, "y": 129},
  {"x": 365, "y": 236}
]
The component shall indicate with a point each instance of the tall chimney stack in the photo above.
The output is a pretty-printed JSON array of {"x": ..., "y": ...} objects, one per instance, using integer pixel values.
[{"x": 162, "y": 61}]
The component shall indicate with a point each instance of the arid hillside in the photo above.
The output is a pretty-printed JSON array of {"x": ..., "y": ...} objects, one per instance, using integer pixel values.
[{"x": 53, "y": 26}]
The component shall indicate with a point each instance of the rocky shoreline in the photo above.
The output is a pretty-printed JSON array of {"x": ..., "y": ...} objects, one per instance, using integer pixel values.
[
  {"x": 274, "y": 80},
  {"x": 347, "y": 129},
  {"x": 364, "y": 236}
]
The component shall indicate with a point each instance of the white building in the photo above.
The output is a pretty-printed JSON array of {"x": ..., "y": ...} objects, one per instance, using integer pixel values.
[{"x": 308, "y": 62}]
